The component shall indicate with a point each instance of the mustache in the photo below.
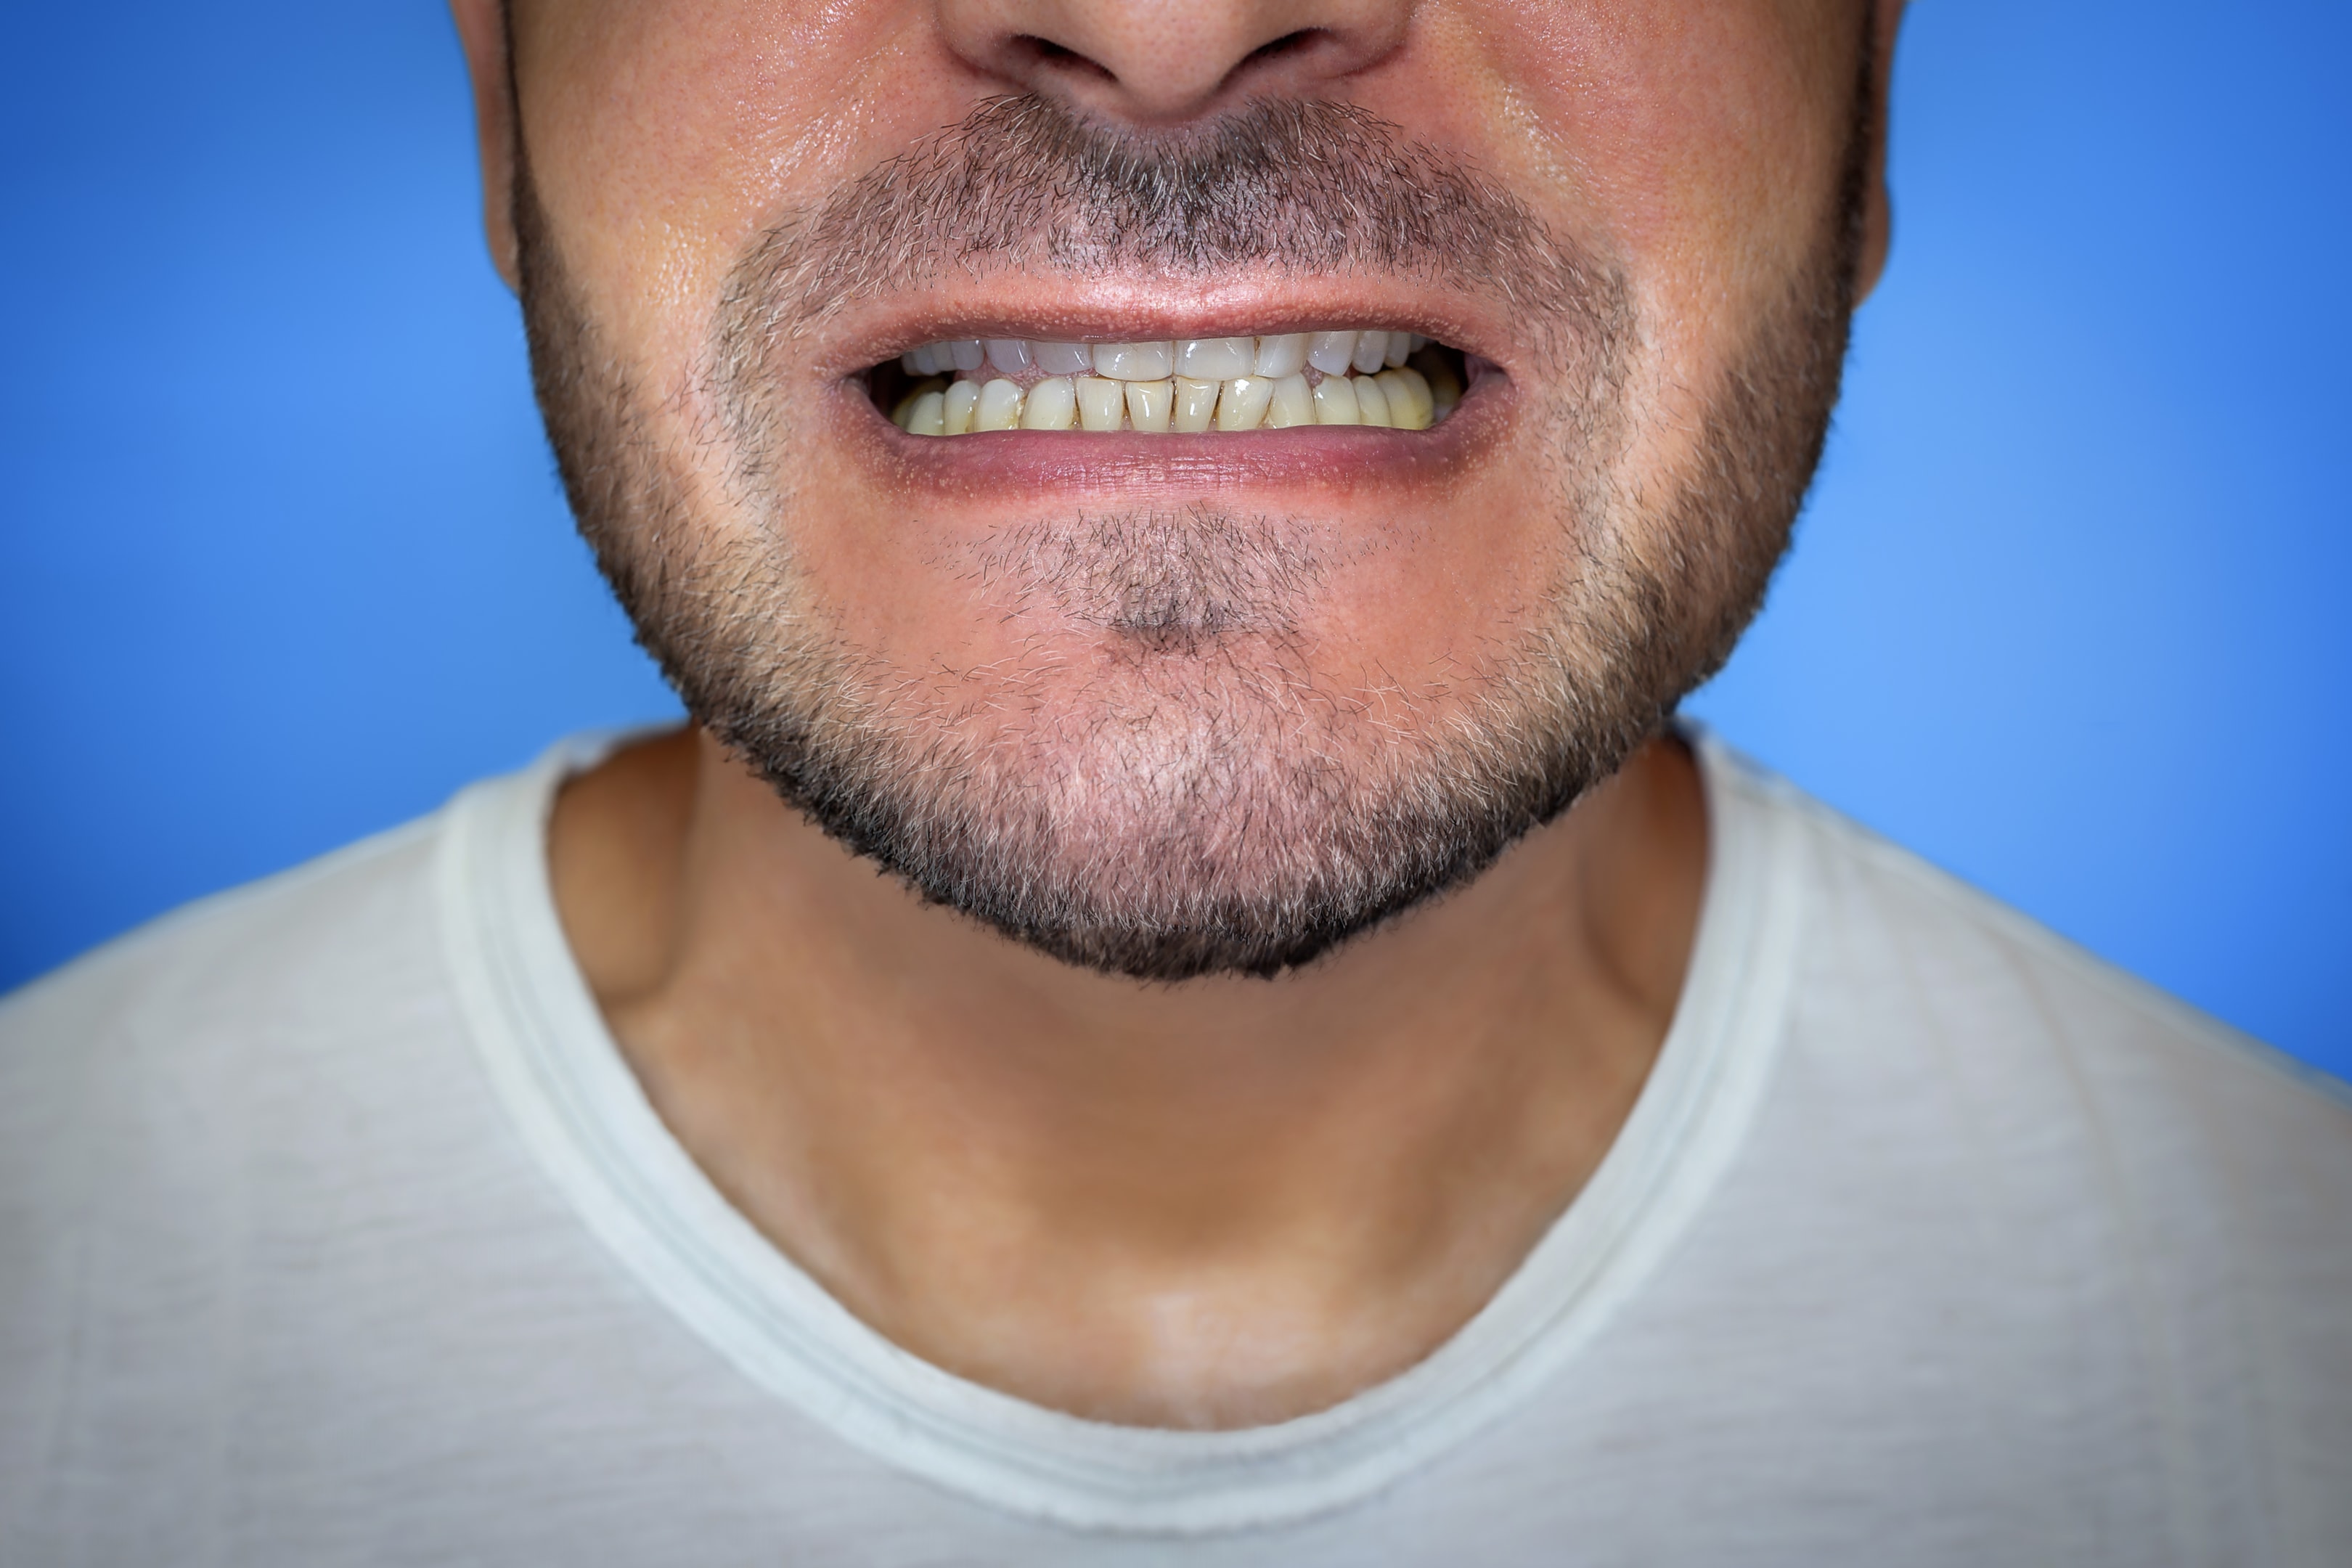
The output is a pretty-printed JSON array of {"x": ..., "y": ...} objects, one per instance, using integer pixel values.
[{"x": 1301, "y": 186}]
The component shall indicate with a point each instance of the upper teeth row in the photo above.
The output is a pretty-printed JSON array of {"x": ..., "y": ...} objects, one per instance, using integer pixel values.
[{"x": 1202, "y": 359}]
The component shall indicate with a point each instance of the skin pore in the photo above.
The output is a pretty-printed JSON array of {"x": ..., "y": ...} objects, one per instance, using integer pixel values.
[{"x": 1228, "y": 1200}]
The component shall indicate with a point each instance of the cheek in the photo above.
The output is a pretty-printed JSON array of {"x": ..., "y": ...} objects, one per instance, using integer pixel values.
[
  {"x": 664, "y": 134},
  {"x": 1700, "y": 143}
]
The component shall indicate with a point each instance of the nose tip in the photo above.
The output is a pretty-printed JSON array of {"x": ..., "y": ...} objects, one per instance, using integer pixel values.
[{"x": 1165, "y": 61}]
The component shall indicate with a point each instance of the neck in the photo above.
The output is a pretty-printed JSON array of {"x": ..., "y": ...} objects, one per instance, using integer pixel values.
[{"x": 1217, "y": 1204}]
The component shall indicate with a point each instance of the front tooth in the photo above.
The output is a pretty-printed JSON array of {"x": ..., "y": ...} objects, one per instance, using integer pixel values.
[
  {"x": 1062, "y": 359},
  {"x": 1280, "y": 356},
  {"x": 1405, "y": 410},
  {"x": 1053, "y": 405},
  {"x": 966, "y": 353},
  {"x": 1216, "y": 359},
  {"x": 1331, "y": 352},
  {"x": 1134, "y": 361},
  {"x": 1000, "y": 407},
  {"x": 962, "y": 403},
  {"x": 1371, "y": 349},
  {"x": 1242, "y": 405},
  {"x": 1371, "y": 403},
  {"x": 1398, "y": 345},
  {"x": 1100, "y": 403},
  {"x": 1196, "y": 404},
  {"x": 1148, "y": 404},
  {"x": 928, "y": 416},
  {"x": 1292, "y": 404},
  {"x": 1010, "y": 356},
  {"x": 1335, "y": 402}
]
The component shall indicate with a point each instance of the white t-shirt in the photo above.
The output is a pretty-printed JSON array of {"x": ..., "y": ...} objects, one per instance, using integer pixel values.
[{"x": 333, "y": 1229}]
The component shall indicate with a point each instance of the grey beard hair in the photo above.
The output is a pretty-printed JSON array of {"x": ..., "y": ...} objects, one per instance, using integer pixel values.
[
  {"x": 1301, "y": 186},
  {"x": 1181, "y": 582},
  {"x": 1199, "y": 799}
]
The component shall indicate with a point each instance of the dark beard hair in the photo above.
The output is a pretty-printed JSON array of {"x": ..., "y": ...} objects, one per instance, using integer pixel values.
[{"x": 1252, "y": 828}]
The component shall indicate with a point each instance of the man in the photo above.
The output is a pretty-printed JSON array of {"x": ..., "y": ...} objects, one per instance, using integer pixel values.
[{"x": 1183, "y": 997}]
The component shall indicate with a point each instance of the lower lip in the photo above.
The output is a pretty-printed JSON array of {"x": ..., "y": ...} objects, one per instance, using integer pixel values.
[{"x": 1016, "y": 464}]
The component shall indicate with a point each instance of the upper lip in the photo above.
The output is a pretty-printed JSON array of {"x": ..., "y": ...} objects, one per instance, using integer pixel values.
[{"x": 1066, "y": 310}]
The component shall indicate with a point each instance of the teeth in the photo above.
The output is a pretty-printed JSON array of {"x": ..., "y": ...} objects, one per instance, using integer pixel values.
[
  {"x": 1053, "y": 405},
  {"x": 1102, "y": 402},
  {"x": 1331, "y": 352},
  {"x": 1216, "y": 359},
  {"x": 962, "y": 403},
  {"x": 1278, "y": 357},
  {"x": 1290, "y": 404},
  {"x": 1408, "y": 407},
  {"x": 1134, "y": 361},
  {"x": 1335, "y": 402},
  {"x": 1148, "y": 404},
  {"x": 1444, "y": 391},
  {"x": 928, "y": 416},
  {"x": 1000, "y": 407},
  {"x": 1242, "y": 405},
  {"x": 1187, "y": 385},
  {"x": 906, "y": 408},
  {"x": 1196, "y": 404}
]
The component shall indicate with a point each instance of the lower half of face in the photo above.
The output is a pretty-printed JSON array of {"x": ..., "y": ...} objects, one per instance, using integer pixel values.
[{"x": 1177, "y": 655}]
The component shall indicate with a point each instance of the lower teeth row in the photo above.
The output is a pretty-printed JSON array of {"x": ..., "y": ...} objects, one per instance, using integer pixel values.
[
  {"x": 1400, "y": 398},
  {"x": 1205, "y": 359}
]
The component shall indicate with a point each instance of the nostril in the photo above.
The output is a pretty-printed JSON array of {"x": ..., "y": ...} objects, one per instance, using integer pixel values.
[
  {"x": 1289, "y": 43},
  {"x": 1162, "y": 78},
  {"x": 1059, "y": 57}
]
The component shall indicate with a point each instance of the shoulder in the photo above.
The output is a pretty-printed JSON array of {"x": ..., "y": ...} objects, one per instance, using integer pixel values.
[
  {"x": 1895, "y": 947},
  {"x": 166, "y": 1047},
  {"x": 1927, "y": 1010},
  {"x": 322, "y": 997},
  {"x": 294, "y": 960},
  {"x": 234, "y": 964},
  {"x": 319, "y": 994},
  {"x": 252, "y": 1168},
  {"x": 2039, "y": 1196}
]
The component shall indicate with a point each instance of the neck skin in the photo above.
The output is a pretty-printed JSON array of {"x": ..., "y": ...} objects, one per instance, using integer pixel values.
[{"x": 1213, "y": 1204}]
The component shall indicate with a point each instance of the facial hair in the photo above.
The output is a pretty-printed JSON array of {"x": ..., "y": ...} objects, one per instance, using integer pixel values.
[{"x": 1201, "y": 797}]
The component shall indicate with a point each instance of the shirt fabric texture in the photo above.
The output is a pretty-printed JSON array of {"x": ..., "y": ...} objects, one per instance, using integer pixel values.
[{"x": 334, "y": 1229}]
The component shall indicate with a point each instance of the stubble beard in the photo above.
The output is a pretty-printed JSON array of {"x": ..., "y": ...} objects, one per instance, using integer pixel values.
[{"x": 1192, "y": 793}]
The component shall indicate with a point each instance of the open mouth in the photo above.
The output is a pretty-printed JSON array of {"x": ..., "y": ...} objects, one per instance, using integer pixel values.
[{"x": 1389, "y": 379}]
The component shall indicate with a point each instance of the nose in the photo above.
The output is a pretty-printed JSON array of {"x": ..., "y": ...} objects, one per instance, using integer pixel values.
[{"x": 1162, "y": 62}]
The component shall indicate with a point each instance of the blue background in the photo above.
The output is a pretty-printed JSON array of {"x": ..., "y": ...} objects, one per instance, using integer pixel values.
[{"x": 283, "y": 559}]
